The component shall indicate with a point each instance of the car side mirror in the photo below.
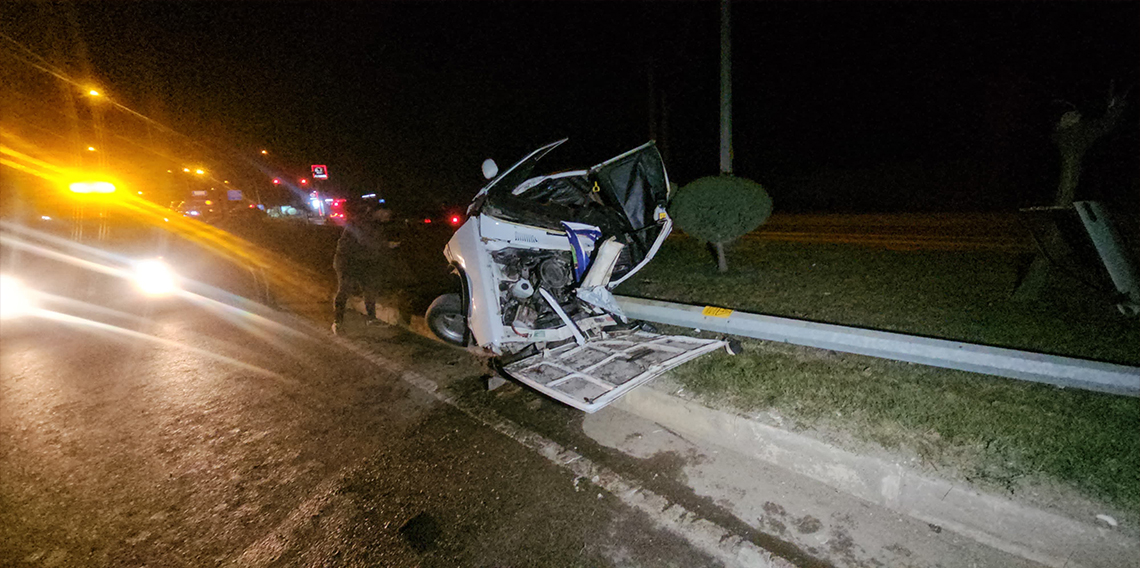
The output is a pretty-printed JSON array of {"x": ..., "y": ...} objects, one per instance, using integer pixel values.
[{"x": 490, "y": 169}]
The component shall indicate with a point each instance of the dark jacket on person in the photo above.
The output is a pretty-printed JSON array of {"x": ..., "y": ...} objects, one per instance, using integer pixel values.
[{"x": 363, "y": 251}]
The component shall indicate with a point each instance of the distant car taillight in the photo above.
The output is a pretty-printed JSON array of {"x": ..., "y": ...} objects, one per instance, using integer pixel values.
[{"x": 455, "y": 220}]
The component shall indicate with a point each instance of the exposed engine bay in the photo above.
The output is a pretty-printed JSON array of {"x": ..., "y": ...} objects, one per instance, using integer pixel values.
[{"x": 523, "y": 273}]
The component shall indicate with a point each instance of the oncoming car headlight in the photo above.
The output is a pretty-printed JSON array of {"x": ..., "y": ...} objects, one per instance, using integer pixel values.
[
  {"x": 15, "y": 299},
  {"x": 155, "y": 278}
]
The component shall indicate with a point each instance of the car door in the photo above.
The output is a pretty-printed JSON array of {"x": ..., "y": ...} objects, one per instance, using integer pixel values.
[{"x": 636, "y": 184}]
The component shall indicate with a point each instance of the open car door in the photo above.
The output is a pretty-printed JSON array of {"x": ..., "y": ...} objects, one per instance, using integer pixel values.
[
  {"x": 591, "y": 376},
  {"x": 636, "y": 184}
]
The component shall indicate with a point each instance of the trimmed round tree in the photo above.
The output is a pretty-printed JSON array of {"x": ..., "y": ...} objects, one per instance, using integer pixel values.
[{"x": 720, "y": 209}]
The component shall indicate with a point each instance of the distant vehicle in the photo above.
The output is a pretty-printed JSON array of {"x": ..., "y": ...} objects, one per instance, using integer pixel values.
[
  {"x": 199, "y": 208},
  {"x": 336, "y": 211},
  {"x": 450, "y": 216},
  {"x": 112, "y": 258}
]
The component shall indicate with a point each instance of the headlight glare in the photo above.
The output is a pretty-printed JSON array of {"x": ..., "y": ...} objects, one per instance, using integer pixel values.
[
  {"x": 15, "y": 299},
  {"x": 155, "y": 278}
]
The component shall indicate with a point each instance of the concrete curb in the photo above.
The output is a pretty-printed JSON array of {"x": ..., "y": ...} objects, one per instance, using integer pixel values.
[
  {"x": 1028, "y": 532},
  {"x": 392, "y": 316},
  {"x": 1041, "y": 536}
]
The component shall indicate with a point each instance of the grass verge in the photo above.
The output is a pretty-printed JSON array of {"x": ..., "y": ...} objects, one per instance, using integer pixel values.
[
  {"x": 963, "y": 296},
  {"x": 995, "y": 432}
]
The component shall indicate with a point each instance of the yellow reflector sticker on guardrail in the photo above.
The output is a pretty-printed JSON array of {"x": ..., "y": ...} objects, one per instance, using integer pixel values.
[{"x": 716, "y": 312}]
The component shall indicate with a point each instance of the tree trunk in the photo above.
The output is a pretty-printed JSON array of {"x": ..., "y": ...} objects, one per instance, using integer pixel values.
[
  {"x": 1073, "y": 138},
  {"x": 1070, "y": 176},
  {"x": 721, "y": 263}
]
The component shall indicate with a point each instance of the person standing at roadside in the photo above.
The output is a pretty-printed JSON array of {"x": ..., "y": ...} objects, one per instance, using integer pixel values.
[{"x": 364, "y": 258}]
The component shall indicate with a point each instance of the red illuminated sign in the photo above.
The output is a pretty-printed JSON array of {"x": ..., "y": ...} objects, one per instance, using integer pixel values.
[{"x": 320, "y": 171}]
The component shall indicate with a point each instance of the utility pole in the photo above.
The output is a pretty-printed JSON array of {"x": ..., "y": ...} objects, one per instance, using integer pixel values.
[
  {"x": 652, "y": 98},
  {"x": 725, "y": 90}
]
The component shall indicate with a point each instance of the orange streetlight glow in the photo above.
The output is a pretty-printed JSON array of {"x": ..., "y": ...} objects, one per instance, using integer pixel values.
[
  {"x": 199, "y": 172},
  {"x": 187, "y": 170},
  {"x": 93, "y": 93},
  {"x": 90, "y": 148},
  {"x": 265, "y": 152}
]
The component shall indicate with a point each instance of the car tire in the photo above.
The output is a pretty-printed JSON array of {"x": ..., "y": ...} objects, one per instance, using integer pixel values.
[{"x": 447, "y": 319}]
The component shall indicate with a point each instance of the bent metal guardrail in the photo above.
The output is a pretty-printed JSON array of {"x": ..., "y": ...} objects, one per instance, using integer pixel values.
[{"x": 1023, "y": 365}]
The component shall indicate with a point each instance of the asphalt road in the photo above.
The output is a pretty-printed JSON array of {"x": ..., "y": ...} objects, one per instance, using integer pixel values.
[{"x": 180, "y": 434}]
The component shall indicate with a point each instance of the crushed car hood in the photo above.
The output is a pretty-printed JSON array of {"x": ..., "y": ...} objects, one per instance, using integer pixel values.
[{"x": 633, "y": 184}]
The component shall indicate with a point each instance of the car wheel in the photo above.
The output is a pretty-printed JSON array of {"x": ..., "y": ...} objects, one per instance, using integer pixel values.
[{"x": 446, "y": 319}]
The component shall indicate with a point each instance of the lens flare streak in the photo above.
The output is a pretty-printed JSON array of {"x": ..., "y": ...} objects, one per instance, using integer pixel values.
[
  {"x": 96, "y": 325},
  {"x": 234, "y": 309}
]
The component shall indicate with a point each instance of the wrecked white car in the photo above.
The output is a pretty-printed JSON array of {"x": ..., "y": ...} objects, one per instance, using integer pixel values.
[{"x": 537, "y": 258}]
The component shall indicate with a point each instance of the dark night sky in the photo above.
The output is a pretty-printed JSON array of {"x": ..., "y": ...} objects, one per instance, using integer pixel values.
[{"x": 408, "y": 98}]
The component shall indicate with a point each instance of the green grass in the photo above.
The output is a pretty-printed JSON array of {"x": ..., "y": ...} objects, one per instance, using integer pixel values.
[
  {"x": 992, "y": 431},
  {"x": 963, "y": 296},
  {"x": 996, "y": 432}
]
